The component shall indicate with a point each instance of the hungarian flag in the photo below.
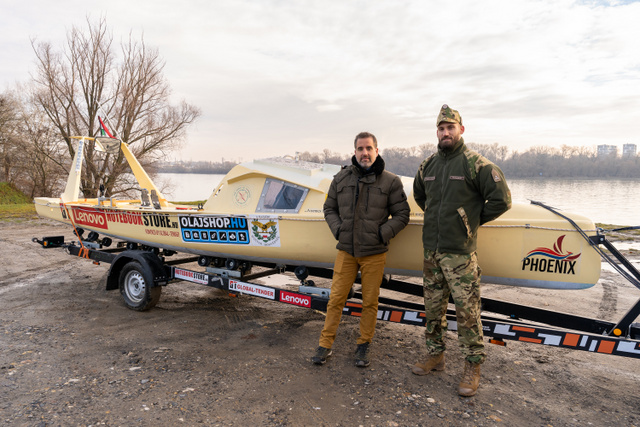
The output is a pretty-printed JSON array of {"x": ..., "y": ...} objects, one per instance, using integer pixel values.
[{"x": 103, "y": 129}]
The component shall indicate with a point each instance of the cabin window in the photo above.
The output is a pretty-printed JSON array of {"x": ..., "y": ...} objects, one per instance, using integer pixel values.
[{"x": 280, "y": 196}]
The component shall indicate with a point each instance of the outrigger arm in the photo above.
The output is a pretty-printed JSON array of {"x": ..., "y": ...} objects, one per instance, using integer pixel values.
[
  {"x": 141, "y": 175},
  {"x": 110, "y": 145}
]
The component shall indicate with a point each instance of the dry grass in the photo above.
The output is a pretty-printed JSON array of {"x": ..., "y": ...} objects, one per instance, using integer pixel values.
[{"x": 17, "y": 211}]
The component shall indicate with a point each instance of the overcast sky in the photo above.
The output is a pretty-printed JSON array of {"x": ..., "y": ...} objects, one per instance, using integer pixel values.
[{"x": 273, "y": 77}]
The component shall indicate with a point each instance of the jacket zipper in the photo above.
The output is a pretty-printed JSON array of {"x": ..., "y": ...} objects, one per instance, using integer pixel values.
[
  {"x": 366, "y": 206},
  {"x": 355, "y": 214},
  {"x": 442, "y": 189}
]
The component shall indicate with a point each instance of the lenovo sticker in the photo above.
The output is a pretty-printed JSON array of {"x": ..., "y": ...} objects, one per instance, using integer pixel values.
[{"x": 295, "y": 299}]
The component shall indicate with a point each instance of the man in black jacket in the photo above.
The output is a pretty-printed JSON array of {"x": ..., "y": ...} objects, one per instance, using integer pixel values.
[{"x": 366, "y": 207}]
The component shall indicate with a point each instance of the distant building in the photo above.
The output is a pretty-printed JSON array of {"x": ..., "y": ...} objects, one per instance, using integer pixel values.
[
  {"x": 629, "y": 150},
  {"x": 607, "y": 150}
]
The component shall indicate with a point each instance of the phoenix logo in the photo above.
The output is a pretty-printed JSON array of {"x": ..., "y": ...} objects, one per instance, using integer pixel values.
[
  {"x": 547, "y": 260},
  {"x": 555, "y": 253}
]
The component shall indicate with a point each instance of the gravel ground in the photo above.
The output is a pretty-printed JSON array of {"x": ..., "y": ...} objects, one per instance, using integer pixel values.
[{"x": 73, "y": 354}]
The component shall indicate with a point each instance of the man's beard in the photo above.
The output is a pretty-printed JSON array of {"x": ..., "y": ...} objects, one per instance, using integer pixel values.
[
  {"x": 365, "y": 164},
  {"x": 449, "y": 143}
]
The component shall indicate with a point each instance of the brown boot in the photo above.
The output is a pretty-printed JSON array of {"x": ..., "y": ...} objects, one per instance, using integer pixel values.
[
  {"x": 433, "y": 363},
  {"x": 470, "y": 379}
]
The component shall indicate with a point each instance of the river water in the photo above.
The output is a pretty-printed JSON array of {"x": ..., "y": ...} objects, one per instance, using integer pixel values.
[{"x": 602, "y": 200}]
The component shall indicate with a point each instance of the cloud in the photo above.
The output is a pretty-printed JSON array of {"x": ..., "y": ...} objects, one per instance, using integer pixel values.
[{"x": 272, "y": 76}]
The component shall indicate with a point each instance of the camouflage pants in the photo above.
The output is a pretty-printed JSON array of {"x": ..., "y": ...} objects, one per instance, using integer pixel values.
[{"x": 457, "y": 275}]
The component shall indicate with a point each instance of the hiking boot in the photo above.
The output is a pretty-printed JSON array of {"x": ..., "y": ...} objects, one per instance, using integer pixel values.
[
  {"x": 362, "y": 355},
  {"x": 433, "y": 363},
  {"x": 321, "y": 355},
  {"x": 470, "y": 379}
]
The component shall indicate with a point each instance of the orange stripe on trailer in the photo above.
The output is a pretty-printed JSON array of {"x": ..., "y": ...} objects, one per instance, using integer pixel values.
[
  {"x": 396, "y": 316},
  {"x": 356, "y": 313},
  {"x": 354, "y": 304},
  {"x": 606, "y": 347},
  {"x": 571, "y": 339},
  {"x": 522, "y": 329},
  {"x": 533, "y": 340}
]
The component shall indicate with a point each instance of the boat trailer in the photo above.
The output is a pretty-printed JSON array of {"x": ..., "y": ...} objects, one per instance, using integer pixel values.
[{"x": 141, "y": 272}]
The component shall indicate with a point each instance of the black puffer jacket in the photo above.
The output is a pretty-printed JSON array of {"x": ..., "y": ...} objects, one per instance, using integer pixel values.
[{"x": 358, "y": 207}]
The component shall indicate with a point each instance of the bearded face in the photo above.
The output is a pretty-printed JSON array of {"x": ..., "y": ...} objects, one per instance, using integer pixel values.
[
  {"x": 449, "y": 134},
  {"x": 366, "y": 152}
]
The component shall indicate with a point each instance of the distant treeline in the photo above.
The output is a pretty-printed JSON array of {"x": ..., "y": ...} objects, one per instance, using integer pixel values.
[
  {"x": 550, "y": 162},
  {"x": 196, "y": 167}
]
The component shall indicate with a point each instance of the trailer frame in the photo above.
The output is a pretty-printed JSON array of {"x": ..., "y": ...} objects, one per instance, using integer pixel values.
[{"x": 518, "y": 322}]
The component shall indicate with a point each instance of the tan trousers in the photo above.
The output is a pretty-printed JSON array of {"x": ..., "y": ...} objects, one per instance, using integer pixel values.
[{"x": 345, "y": 271}]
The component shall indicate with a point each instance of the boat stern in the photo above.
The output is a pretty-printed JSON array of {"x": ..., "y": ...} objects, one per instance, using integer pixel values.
[{"x": 51, "y": 208}]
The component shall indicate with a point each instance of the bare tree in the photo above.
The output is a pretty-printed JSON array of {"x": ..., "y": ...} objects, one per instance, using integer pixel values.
[
  {"x": 33, "y": 158},
  {"x": 8, "y": 137},
  {"x": 43, "y": 159},
  {"x": 86, "y": 79}
]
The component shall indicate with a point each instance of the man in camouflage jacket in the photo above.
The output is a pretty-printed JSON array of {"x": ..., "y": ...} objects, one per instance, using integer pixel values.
[
  {"x": 459, "y": 190},
  {"x": 366, "y": 207}
]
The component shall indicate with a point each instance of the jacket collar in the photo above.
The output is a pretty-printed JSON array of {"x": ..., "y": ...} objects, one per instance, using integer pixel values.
[
  {"x": 457, "y": 149},
  {"x": 376, "y": 168}
]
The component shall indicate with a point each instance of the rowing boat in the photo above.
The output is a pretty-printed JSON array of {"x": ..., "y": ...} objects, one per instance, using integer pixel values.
[{"x": 270, "y": 210}]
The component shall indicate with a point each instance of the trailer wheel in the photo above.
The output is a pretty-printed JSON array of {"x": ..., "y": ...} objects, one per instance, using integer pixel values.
[{"x": 135, "y": 288}]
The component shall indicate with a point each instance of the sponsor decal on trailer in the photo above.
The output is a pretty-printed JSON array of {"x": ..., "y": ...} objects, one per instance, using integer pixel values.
[
  {"x": 251, "y": 289},
  {"x": 526, "y": 333},
  {"x": 234, "y": 230},
  {"x": 90, "y": 217},
  {"x": 295, "y": 299},
  {"x": 191, "y": 276},
  {"x": 574, "y": 340},
  {"x": 551, "y": 260}
]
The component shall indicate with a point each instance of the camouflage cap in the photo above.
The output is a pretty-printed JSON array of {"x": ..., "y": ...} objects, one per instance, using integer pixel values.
[{"x": 447, "y": 114}]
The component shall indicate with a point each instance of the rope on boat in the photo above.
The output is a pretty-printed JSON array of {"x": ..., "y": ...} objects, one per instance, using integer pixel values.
[
  {"x": 535, "y": 227},
  {"x": 482, "y": 226},
  {"x": 595, "y": 246},
  {"x": 300, "y": 219}
]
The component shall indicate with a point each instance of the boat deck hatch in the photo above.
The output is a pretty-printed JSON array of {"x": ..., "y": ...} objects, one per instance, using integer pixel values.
[{"x": 281, "y": 196}]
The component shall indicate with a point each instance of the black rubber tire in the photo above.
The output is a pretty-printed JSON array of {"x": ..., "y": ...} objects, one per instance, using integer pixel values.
[
  {"x": 135, "y": 289},
  {"x": 204, "y": 261},
  {"x": 301, "y": 272},
  {"x": 231, "y": 264}
]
